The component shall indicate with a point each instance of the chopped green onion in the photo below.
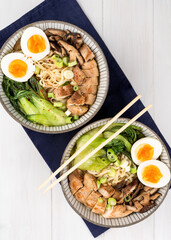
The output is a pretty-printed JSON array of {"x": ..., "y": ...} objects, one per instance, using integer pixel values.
[
  {"x": 103, "y": 180},
  {"x": 65, "y": 60},
  {"x": 98, "y": 184},
  {"x": 66, "y": 83},
  {"x": 124, "y": 163},
  {"x": 37, "y": 70},
  {"x": 76, "y": 117},
  {"x": 75, "y": 88},
  {"x": 117, "y": 163},
  {"x": 55, "y": 56},
  {"x": 108, "y": 207},
  {"x": 72, "y": 63},
  {"x": 127, "y": 198},
  {"x": 112, "y": 172},
  {"x": 58, "y": 62},
  {"x": 111, "y": 155},
  {"x": 69, "y": 120},
  {"x": 58, "y": 104},
  {"x": 100, "y": 200},
  {"x": 133, "y": 169},
  {"x": 111, "y": 201},
  {"x": 51, "y": 95}
]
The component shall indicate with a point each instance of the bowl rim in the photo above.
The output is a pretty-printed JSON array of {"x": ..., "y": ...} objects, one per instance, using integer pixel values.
[
  {"x": 154, "y": 208},
  {"x": 104, "y": 95}
]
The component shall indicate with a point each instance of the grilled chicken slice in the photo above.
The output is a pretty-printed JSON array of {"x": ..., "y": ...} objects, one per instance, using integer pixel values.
[
  {"x": 91, "y": 81},
  {"x": 82, "y": 194},
  {"x": 72, "y": 51},
  {"x": 90, "y": 181},
  {"x": 52, "y": 31},
  {"x": 86, "y": 53},
  {"x": 93, "y": 72},
  {"x": 88, "y": 89},
  {"x": 79, "y": 76},
  {"x": 75, "y": 181},
  {"x": 107, "y": 191},
  {"x": 117, "y": 211},
  {"x": 92, "y": 199},
  {"x": 76, "y": 99},
  {"x": 89, "y": 65},
  {"x": 77, "y": 109},
  {"x": 99, "y": 208},
  {"x": 89, "y": 98},
  {"x": 117, "y": 194},
  {"x": 63, "y": 91}
]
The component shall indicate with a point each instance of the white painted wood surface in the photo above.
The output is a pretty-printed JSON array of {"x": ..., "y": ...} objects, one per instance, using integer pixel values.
[{"x": 138, "y": 33}]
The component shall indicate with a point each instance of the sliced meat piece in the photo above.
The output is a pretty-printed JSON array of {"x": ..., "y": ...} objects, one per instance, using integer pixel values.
[
  {"x": 90, "y": 181},
  {"x": 89, "y": 65},
  {"x": 88, "y": 89},
  {"x": 86, "y": 53},
  {"x": 120, "y": 184},
  {"x": 82, "y": 194},
  {"x": 138, "y": 206},
  {"x": 89, "y": 98},
  {"x": 79, "y": 76},
  {"x": 146, "y": 199},
  {"x": 106, "y": 191},
  {"x": 92, "y": 199},
  {"x": 53, "y": 31},
  {"x": 77, "y": 109},
  {"x": 117, "y": 211},
  {"x": 140, "y": 186},
  {"x": 75, "y": 181},
  {"x": 117, "y": 194},
  {"x": 63, "y": 91},
  {"x": 128, "y": 190},
  {"x": 155, "y": 196},
  {"x": 147, "y": 207},
  {"x": 93, "y": 72},
  {"x": 91, "y": 81},
  {"x": 99, "y": 208},
  {"x": 72, "y": 51},
  {"x": 76, "y": 99}
]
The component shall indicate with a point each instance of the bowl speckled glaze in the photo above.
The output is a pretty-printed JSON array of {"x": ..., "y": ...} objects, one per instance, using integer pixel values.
[
  {"x": 85, "y": 212},
  {"x": 103, "y": 78}
]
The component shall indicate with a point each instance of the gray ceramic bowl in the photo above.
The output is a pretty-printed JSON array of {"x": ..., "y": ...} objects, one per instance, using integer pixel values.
[
  {"x": 103, "y": 79},
  {"x": 85, "y": 212}
]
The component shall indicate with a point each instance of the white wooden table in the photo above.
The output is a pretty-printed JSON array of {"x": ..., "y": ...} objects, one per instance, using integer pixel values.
[{"x": 138, "y": 33}]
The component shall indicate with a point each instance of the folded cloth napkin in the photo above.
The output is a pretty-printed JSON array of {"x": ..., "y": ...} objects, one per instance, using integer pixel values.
[{"x": 51, "y": 147}]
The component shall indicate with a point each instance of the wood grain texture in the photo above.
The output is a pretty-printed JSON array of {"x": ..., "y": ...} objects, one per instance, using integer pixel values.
[{"x": 138, "y": 35}]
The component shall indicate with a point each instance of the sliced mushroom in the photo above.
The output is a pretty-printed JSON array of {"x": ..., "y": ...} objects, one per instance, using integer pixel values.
[
  {"x": 146, "y": 199},
  {"x": 155, "y": 196},
  {"x": 138, "y": 206},
  {"x": 140, "y": 186},
  {"x": 53, "y": 31},
  {"x": 74, "y": 38},
  {"x": 147, "y": 207},
  {"x": 17, "y": 46},
  {"x": 72, "y": 52}
]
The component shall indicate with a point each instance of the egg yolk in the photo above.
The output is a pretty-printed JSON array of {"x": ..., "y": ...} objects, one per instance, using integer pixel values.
[
  {"x": 36, "y": 44},
  {"x": 18, "y": 68},
  {"x": 152, "y": 174},
  {"x": 145, "y": 152}
]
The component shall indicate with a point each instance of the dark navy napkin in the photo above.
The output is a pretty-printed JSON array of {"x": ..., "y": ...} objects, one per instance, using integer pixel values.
[{"x": 51, "y": 147}]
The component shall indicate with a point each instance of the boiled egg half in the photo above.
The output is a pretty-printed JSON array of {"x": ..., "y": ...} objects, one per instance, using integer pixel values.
[
  {"x": 145, "y": 149},
  {"x": 34, "y": 43},
  {"x": 153, "y": 173},
  {"x": 17, "y": 67}
]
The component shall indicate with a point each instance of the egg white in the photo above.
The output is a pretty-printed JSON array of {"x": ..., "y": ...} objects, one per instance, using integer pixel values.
[
  {"x": 7, "y": 59},
  {"x": 163, "y": 168},
  {"x": 29, "y": 32},
  {"x": 147, "y": 140}
]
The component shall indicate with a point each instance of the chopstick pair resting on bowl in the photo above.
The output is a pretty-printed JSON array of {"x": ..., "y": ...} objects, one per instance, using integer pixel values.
[{"x": 62, "y": 177}]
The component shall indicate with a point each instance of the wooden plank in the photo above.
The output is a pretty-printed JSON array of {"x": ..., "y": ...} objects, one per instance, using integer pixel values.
[
  {"x": 128, "y": 32},
  {"x": 25, "y": 212},
  {"x": 162, "y": 75}
]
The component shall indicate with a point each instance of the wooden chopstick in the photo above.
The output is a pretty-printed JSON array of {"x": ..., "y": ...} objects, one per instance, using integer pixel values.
[
  {"x": 91, "y": 139},
  {"x": 98, "y": 148}
]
